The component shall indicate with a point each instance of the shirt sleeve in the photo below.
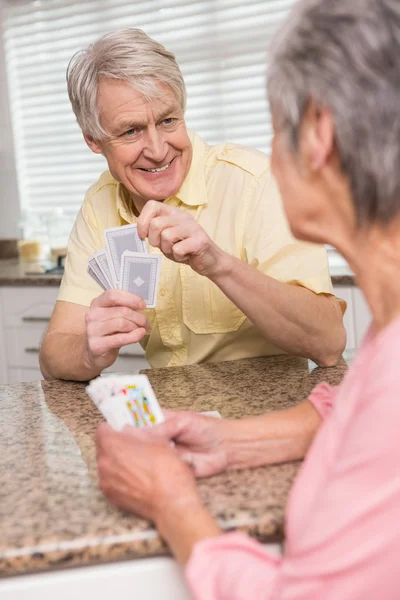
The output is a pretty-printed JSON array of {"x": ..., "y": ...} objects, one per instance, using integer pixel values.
[
  {"x": 231, "y": 567},
  {"x": 349, "y": 548},
  {"x": 269, "y": 245},
  {"x": 322, "y": 398},
  {"x": 77, "y": 286}
]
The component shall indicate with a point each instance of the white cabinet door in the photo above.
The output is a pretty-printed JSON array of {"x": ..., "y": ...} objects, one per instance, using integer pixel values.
[
  {"x": 142, "y": 579},
  {"x": 28, "y": 305},
  {"x": 346, "y": 294},
  {"x": 357, "y": 317},
  {"x": 362, "y": 315},
  {"x": 19, "y": 375},
  {"x": 26, "y": 313},
  {"x": 24, "y": 316},
  {"x": 23, "y": 344},
  {"x": 3, "y": 362}
]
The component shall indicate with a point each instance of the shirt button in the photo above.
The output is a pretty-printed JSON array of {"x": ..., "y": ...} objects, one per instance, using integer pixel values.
[{"x": 163, "y": 292}]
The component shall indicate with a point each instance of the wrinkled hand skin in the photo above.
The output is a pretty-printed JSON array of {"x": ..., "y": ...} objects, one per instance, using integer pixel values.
[
  {"x": 141, "y": 473},
  {"x": 179, "y": 237},
  {"x": 199, "y": 440},
  {"x": 113, "y": 321}
]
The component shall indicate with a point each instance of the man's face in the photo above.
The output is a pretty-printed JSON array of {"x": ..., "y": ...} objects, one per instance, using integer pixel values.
[{"x": 148, "y": 150}]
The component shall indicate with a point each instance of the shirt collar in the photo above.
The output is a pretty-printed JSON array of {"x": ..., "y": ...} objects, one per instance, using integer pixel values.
[{"x": 192, "y": 191}]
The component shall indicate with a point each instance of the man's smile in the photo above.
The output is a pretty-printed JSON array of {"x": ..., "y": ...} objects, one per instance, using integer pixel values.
[{"x": 156, "y": 170}]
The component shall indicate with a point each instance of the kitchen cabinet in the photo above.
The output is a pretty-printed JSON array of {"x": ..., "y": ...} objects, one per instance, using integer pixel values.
[
  {"x": 357, "y": 317},
  {"x": 25, "y": 313}
]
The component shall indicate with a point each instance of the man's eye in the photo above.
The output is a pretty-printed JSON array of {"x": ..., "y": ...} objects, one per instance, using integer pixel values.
[
  {"x": 130, "y": 132},
  {"x": 168, "y": 121}
]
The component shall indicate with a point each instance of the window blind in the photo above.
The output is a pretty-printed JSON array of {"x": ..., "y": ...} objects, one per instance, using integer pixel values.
[{"x": 220, "y": 45}]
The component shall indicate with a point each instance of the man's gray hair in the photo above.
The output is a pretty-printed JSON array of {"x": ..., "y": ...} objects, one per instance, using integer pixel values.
[
  {"x": 345, "y": 56},
  {"x": 128, "y": 55}
]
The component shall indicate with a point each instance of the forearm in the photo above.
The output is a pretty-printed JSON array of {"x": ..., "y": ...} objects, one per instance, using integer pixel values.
[
  {"x": 181, "y": 526},
  {"x": 65, "y": 356},
  {"x": 275, "y": 437},
  {"x": 292, "y": 317}
]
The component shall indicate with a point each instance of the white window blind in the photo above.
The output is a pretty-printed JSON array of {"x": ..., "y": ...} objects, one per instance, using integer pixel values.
[{"x": 220, "y": 46}]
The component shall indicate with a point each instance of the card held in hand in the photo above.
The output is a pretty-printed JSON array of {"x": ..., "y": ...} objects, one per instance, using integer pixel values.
[
  {"x": 96, "y": 274},
  {"x": 140, "y": 275},
  {"x": 126, "y": 400},
  {"x": 118, "y": 240},
  {"x": 101, "y": 260}
]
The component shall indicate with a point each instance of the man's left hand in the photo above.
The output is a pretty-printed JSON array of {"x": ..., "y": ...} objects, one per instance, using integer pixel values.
[{"x": 180, "y": 238}]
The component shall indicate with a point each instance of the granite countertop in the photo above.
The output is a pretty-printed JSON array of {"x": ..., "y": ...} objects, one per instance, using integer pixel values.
[
  {"x": 53, "y": 514},
  {"x": 12, "y": 272}
]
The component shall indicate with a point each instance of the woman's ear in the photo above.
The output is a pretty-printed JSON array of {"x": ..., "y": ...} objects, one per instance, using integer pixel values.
[
  {"x": 317, "y": 137},
  {"x": 93, "y": 144}
]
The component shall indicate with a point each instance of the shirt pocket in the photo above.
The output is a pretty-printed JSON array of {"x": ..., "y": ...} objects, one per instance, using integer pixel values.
[{"x": 205, "y": 307}]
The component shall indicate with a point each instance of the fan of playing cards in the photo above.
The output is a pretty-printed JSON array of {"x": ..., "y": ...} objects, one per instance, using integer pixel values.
[
  {"x": 126, "y": 400},
  {"x": 125, "y": 264}
]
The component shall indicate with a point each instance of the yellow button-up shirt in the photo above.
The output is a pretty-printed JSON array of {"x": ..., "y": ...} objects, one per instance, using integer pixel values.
[{"x": 231, "y": 193}]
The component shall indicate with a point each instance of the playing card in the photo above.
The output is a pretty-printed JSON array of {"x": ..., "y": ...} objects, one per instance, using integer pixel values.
[
  {"x": 212, "y": 413},
  {"x": 126, "y": 400},
  {"x": 95, "y": 272},
  {"x": 140, "y": 275},
  {"x": 119, "y": 239},
  {"x": 141, "y": 400},
  {"x": 101, "y": 259},
  {"x": 94, "y": 276}
]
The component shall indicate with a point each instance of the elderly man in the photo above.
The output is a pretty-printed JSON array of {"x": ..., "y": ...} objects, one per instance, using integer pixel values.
[{"x": 234, "y": 282}]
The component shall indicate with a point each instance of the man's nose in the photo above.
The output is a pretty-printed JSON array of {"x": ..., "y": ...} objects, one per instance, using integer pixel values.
[{"x": 155, "y": 148}]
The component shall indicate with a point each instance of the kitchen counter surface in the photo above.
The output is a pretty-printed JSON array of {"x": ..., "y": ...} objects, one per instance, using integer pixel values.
[
  {"x": 12, "y": 272},
  {"x": 52, "y": 512}
]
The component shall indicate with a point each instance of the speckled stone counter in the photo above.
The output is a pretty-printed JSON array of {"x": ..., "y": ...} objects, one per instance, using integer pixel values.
[
  {"x": 12, "y": 272},
  {"x": 52, "y": 513}
]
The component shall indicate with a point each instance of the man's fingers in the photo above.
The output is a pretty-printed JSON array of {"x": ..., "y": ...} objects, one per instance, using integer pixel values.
[
  {"x": 111, "y": 326},
  {"x": 151, "y": 210},
  {"x": 160, "y": 225},
  {"x": 119, "y": 298},
  {"x": 100, "y": 315},
  {"x": 172, "y": 236},
  {"x": 101, "y": 345},
  {"x": 182, "y": 251}
]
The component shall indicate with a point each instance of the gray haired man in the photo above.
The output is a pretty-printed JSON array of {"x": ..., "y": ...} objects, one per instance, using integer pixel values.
[{"x": 234, "y": 282}]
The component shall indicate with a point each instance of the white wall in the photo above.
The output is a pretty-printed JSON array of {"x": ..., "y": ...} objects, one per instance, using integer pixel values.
[{"x": 9, "y": 199}]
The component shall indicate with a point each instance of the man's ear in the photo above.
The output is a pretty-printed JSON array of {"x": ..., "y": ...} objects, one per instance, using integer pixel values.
[
  {"x": 93, "y": 145},
  {"x": 318, "y": 137}
]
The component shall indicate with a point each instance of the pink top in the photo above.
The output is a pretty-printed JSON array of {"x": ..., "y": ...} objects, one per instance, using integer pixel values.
[{"x": 343, "y": 516}]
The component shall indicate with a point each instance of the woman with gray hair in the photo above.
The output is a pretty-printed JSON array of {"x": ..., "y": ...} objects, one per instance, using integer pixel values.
[{"x": 334, "y": 90}]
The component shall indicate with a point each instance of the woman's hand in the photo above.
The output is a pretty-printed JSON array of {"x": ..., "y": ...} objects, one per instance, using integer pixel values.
[
  {"x": 142, "y": 473},
  {"x": 199, "y": 440}
]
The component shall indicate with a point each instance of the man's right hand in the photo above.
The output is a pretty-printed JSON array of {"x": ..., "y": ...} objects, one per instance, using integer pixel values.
[{"x": 113, "y": 321}]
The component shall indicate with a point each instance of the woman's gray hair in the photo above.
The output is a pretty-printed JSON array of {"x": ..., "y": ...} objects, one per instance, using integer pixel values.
[
  {"x": 128, "y": 55},
  {"x": 345, "y": 56}
]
